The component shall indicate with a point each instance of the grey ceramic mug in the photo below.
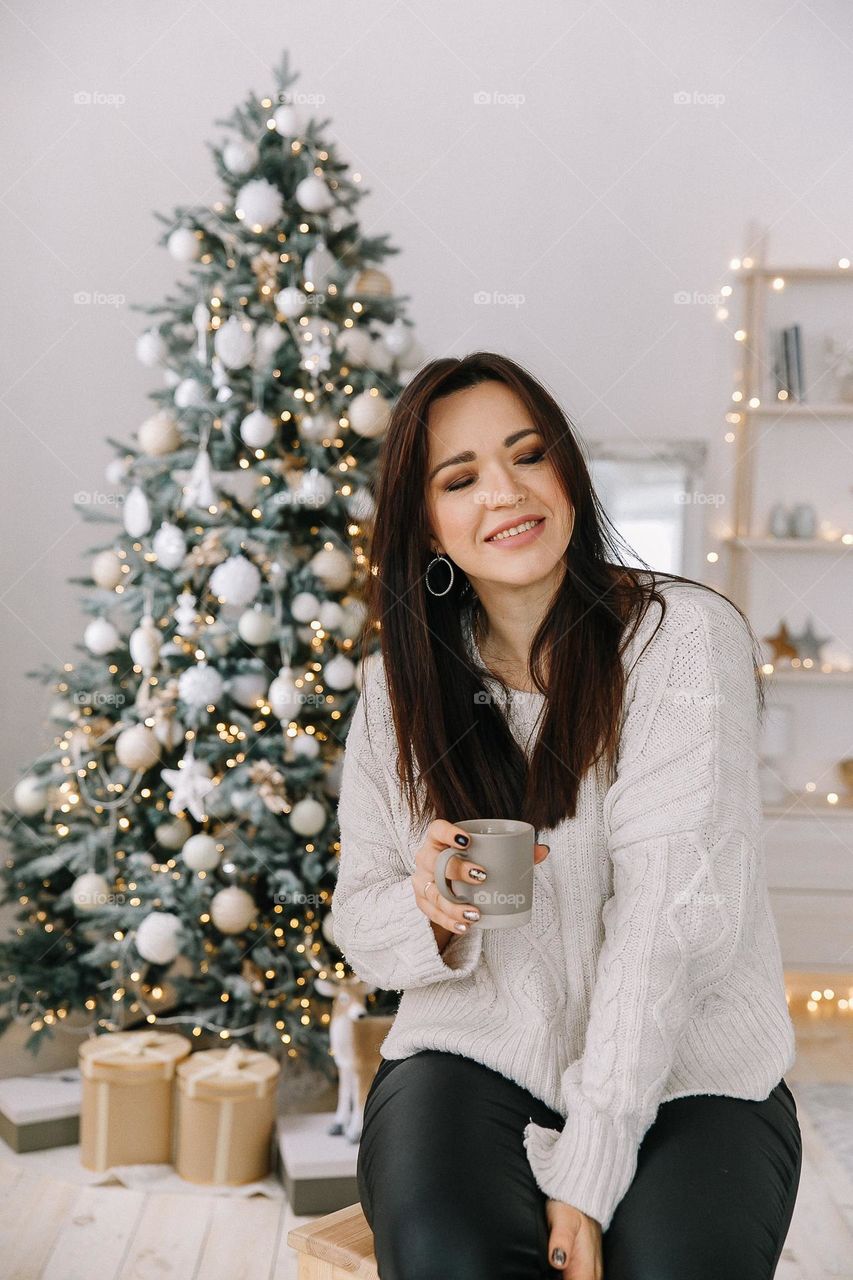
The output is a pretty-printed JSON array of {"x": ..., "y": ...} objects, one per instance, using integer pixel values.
[{"x": 504, "y": 849}]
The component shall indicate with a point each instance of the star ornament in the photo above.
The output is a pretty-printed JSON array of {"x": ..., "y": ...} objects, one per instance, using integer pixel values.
[{"x": 189, "y": 786}]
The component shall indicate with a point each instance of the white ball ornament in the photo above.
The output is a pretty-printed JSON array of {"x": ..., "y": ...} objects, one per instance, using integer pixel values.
[
  {"x": 356, "y": 344},
  {"x": 169, "y": 546},
  {"x": 360, "y": 504},
  {"x": 288, "y": 121},
  {"x": 232, "y": 910},
  {"x": 305, "y": 606},
  {"x": 368, "y": 414},
  {"x": 106, "y": 570},
  {"x": 305, "y": 747},
  {"x": 313, "y": 194},
  {"x": 316, "y": 489},
  {"x": 333, "y": 567},
  {"x": 291, "y": 302},
  {"x": 200, "y": 685},
  {"x": 90, "y": 891},
  {"x": 100, "y": 637},
  {"x": 116, "y": 471},
  {"x": 284, "y": 699},
  {"x": 257, "y": 429},
  {"x": 189, "y": 394},
  {"x": 256, "y": 626},
  {"x": 236, "y": 581},
  {"x": 307, "y": 817},
  {"x": 240, "y": 156},
  {"x": 184, "y": 245},
  {"x": 259, "y": 204},
  {"x": 332, "y": 616},
  {"x": 318, "y": 268},
  {"x": 168, "y": 731},
  {"x": 157, "y": 938},
  {"x": 339, "y": 674},
  {"x": 268, "y": 340},
  {"x": 137, "y": 748},
  {"x": 234, "y": 342},
  {"x": 200, "y": 853},
  {"x": 248, "y": 688},
  {"x": 30, "y": 795},
  {"x": 151, "y": 348},
  {"x": 353, "y": 623},
  {"x": 173, "y": 833},
  {"x": 397, "y": 337},
  {"x": 159, "y": 434},
  {"x": 136, "y": 513},
  {"x": 318, "y": 427}
]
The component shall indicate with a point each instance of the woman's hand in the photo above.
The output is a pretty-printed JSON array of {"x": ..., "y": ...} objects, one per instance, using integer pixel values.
[
  {"x": 577, "y": 1240},
  {"x": 438, "y": 909}
]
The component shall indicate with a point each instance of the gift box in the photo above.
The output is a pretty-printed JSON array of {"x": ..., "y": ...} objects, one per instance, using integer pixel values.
[
  {"x": 40, "y": 1111},
  {"x": 126, "y": 1115},
  {"x": 226, "y": 1106}
]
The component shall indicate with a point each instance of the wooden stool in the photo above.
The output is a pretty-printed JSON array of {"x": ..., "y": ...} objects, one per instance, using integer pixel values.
[{"x": 335, "y": 1246}]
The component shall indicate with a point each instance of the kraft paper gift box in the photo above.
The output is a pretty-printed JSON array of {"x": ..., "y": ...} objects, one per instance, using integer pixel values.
[
  {"x": 128, "y": 1080},
  {"x": 226, "y": 1106},
  {"x": 40, "y": 1111}
]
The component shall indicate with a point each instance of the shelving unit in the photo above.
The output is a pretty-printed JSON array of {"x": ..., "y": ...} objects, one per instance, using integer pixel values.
[{"x": 810, "y": 867}]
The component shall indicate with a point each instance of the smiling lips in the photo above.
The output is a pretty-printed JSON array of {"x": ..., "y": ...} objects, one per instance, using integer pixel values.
[{"x": 524, "y": 531}]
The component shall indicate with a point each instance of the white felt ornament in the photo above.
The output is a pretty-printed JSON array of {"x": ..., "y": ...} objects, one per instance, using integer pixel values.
[
  {"x": 313, "y": 194},
  {"x": 189, "y": 394},
  {"x": 339, "y": 674},
  {"x": 144, "y": 644},
  {"x": 240, "y": 156},
  {"x": 169, "y": 546},
  {"x": 256, "y": 626},
  {"x": 159, "y": 434},
  {"x": 291, "y": 302},
  {"x": 257, "y": 429},
  {"x": 236, "y": 581},
  {"x": 284, "y": 698},
  {"x": 151, "y": 348},
  {"x": 200, "y": 685},
  {"x": 234, "y": 342},
  {"x": 259, "y": 204},
  {"x": 248, "y": 688},
  {"x": 30, "y": 795},
  {"x": 305, "y": 606}
]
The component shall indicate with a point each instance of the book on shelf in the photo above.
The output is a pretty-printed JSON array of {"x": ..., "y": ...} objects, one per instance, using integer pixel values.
[{"x": 788, "y": 371}]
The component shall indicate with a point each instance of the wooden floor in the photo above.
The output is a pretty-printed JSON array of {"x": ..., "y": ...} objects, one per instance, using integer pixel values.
[{"x": 51, "y": 1229}]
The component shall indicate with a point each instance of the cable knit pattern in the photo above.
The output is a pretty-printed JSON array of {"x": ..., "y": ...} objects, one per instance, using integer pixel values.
[{"x": 650, "y": 969}]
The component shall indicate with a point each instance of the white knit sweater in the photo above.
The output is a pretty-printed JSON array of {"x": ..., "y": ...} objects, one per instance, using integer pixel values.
[{"x": 650, "y": 969}]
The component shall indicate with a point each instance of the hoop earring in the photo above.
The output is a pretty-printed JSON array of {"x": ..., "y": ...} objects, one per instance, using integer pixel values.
[{"x": 436, "y": 560}]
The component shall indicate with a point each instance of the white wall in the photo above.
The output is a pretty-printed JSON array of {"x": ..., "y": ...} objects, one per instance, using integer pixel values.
[{"x": 598, "y": 197}]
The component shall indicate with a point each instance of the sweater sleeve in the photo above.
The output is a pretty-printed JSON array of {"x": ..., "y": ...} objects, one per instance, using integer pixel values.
[
  {"x": 385, "y": 937},
  {"x": 683, "y": 831}
]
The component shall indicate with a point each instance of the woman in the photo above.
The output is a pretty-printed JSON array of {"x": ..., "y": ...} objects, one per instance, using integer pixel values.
[{"x": 601, "y": 1091}]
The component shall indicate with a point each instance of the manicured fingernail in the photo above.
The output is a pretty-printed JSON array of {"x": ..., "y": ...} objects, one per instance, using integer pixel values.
[
  {"x": 476, "y": 874},
  {"x": 471, "y": 915},
  {"x": 461, "y": 839},
  {"x": 558, "y": 1257},
  {"x": 460, "y": 928}
]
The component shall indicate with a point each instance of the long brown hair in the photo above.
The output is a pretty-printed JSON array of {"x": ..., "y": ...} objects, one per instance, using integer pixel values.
[{"x": 468, "y": 760}]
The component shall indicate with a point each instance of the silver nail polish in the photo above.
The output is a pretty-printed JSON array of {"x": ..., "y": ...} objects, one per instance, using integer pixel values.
[
  {"x": 462, "y": 927},
  {"x": 476, "y": 874},
  {"x": 471, "y": 915},
  {"x": 558, "y": 1257}
]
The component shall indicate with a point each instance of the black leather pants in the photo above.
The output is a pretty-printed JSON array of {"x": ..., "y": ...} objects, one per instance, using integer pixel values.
[{"x": 445, "y": 1184}]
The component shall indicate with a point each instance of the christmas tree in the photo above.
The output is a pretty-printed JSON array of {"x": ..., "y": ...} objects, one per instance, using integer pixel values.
[{"x": 172, "y": 855}]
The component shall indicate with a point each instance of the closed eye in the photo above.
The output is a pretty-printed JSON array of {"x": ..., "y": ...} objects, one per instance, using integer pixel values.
[{"x": 528, "y": 460}]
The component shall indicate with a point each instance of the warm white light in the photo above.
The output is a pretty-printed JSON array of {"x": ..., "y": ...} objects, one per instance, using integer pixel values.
[
  {"x": 726, "y": 291},
  {"x": 737, "y": 396},
  {"x": 754, "y": 402},
  {"x": 747, "y": 262},
  {"x": 735, "y": 264},
  {"x": 778, "y": 283},
  {"x": 844, "y": 263},
  {"x": 712, "y": 557},
  {"x": 729, "y": 437},
  {"x": 740, "y": 334}
]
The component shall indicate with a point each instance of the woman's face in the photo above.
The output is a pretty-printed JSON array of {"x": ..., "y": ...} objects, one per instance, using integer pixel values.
[{"x": 504, "y": 479}]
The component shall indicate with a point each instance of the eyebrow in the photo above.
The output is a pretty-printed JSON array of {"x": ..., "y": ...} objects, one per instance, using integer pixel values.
[{"x": 469, "y": 455}]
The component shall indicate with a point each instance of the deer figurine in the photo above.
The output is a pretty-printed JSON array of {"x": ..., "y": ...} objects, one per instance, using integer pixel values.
[{"x": 354, "y": 1040}]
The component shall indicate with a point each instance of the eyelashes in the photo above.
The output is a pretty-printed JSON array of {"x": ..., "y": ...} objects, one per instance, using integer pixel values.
[{"x": 529, "y": 459}]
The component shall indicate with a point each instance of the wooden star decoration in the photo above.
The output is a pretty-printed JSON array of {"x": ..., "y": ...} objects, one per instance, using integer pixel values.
[{"x": 782, "y": 643}]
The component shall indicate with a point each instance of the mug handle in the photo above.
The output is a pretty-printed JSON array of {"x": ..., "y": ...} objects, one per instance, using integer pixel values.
[{"x": 441, "y": 881}]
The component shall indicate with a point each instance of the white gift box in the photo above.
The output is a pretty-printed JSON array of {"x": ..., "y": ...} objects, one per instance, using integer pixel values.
[{"x": 40, "y": 1111}]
